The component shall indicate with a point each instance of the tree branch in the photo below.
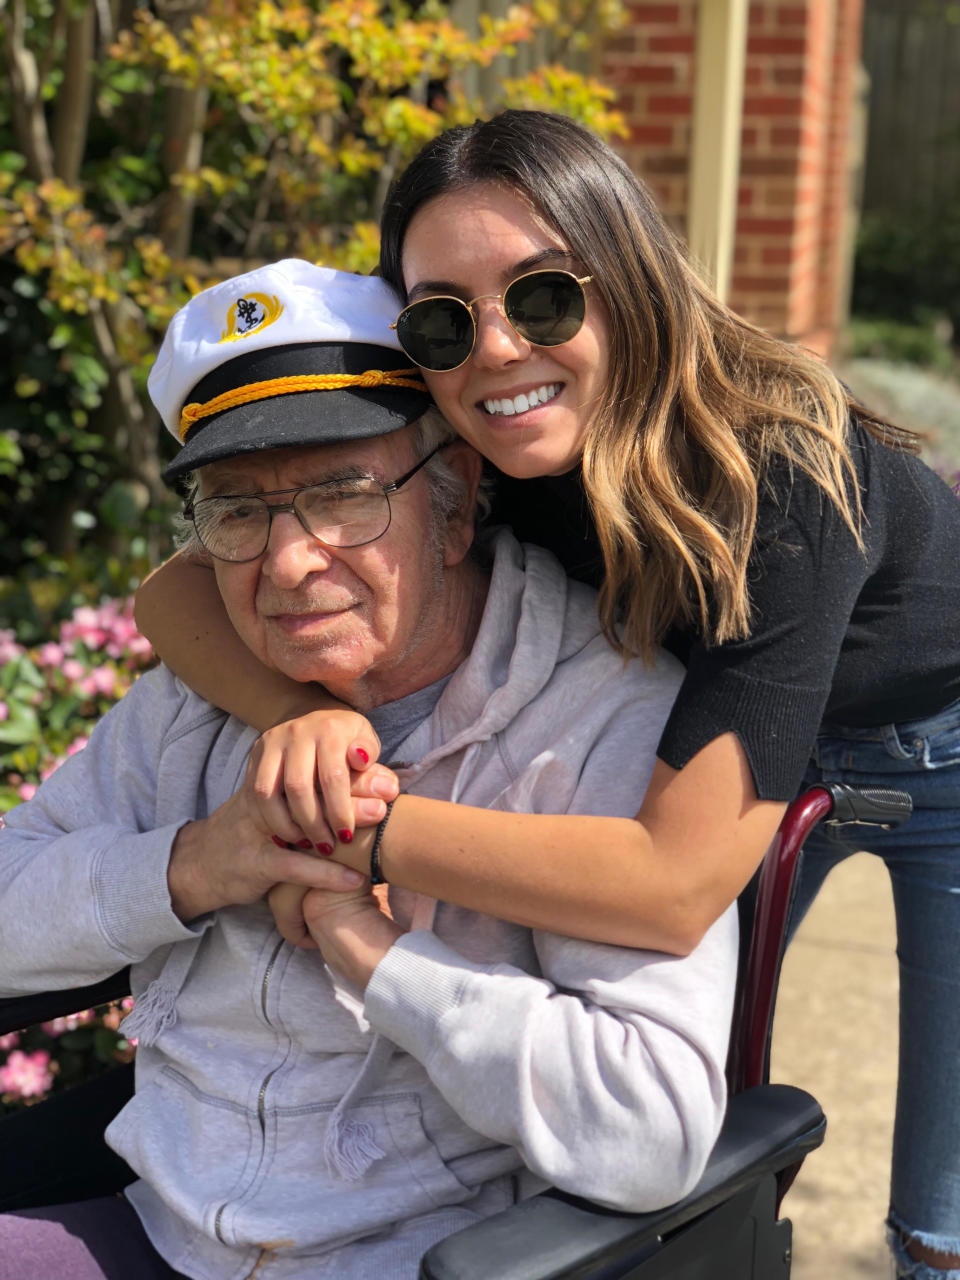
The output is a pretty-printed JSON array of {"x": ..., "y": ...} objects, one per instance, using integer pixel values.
[
  {"x": 73, "y": 101},
  {"x": 29, "y": 122}
]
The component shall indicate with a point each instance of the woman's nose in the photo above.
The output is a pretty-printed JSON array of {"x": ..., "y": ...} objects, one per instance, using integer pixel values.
[{"x": 498, "y": 342}]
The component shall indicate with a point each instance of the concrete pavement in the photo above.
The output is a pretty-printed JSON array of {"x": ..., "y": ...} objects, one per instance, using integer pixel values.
[{"x": 836, "y": 1036}]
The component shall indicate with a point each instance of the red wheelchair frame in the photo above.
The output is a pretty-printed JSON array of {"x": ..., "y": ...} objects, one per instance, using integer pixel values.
[{"x": 728, "y": 1227}]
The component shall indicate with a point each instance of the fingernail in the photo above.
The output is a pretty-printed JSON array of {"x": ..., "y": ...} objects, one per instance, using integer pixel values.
[
  {"x": 353, "y": 877},
  {"x": 304, "y": 843},
  {"x": 363, "y": 755},
  {"x": 345, "y": 836},
  {"x": 385, "y": 788},
  {"x": 281, "y": 844},
  {"x": 325, "y": 849}
]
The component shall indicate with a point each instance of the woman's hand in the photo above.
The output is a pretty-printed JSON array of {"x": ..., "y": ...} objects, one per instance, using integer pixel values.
[{"x": 315, "y": 777}]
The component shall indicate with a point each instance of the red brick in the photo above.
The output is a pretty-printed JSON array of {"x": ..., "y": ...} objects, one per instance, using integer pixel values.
[
  {"x": 788, "y": 76},
  {"x": 672, "y": 44},
  {"x": 785, "y": 136},
  {"x": 669, "y": 104},
  {"x": 793, "y": 16},
  {"x": 771, "y": 104},
  {"x": 652, "y": 135},
  {"x": 776, "y": 45},
  {"x": 767, "y": 226},
  {"x": 772, "y": 283},
  {"x": 666, "y": 164},
  {"x": 776, "y": 255},
  {"x": 645, "y": 73}
]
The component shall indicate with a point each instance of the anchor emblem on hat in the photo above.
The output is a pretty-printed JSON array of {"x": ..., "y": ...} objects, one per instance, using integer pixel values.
[{"x": 250, "y": 314}]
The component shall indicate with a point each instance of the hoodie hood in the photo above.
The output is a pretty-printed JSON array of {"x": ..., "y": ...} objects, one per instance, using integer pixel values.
[{"x": 534, "y": 618}]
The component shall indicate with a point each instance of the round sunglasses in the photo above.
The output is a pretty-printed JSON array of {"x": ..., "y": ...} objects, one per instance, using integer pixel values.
[{"x": 546, "y": 308}]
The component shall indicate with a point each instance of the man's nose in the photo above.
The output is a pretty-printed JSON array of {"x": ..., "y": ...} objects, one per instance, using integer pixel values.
[
  {"x": 292, "y": 553},
  {"x": 498, "y": 342}
]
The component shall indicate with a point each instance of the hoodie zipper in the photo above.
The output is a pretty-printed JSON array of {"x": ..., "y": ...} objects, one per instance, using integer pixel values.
[{"x": 262, "y": 1095}]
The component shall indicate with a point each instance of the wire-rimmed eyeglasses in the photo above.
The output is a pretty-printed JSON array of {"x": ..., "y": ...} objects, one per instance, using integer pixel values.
[{"x": 340, "y": 513}]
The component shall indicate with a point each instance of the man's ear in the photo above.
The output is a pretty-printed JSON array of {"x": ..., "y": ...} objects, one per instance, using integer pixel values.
[{"x": 458, "y": 536}]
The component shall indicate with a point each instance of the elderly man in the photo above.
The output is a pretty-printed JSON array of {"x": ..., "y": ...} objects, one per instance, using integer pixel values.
[{"x": 335, "y": 1111}]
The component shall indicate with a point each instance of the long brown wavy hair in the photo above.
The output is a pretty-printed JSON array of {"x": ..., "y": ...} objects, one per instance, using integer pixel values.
[{"x": 698, "y": 402}]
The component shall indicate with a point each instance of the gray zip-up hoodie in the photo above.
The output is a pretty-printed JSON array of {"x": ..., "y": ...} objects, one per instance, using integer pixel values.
[{"x": 286, "y": 1122}]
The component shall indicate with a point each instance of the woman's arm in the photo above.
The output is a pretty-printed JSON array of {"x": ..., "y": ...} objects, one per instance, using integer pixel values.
[{"x": 657, "y": 881}]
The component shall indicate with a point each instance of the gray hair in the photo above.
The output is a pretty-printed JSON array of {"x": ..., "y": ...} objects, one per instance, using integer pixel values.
[{"x": 447, "y": 487}]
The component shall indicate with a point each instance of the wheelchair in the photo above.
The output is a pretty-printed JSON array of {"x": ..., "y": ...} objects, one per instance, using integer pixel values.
[{"x": 727, "y": 1228}]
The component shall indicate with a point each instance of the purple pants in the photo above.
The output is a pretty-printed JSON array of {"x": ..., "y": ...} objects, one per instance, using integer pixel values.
[{"x": 91, "y": 1240}]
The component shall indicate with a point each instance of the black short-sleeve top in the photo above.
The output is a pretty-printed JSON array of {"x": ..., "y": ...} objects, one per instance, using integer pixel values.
[{"x": 839, "y": 635}]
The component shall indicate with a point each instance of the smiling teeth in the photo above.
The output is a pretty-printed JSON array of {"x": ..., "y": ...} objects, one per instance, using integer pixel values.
[{"x": 521, "y": 403}]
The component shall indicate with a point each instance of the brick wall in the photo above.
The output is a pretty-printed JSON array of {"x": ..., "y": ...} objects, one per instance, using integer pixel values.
[{"x": 792, "y": 227}]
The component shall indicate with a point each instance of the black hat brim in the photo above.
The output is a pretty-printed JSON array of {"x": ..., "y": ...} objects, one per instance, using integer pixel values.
[{"x": 301, "y": 417}]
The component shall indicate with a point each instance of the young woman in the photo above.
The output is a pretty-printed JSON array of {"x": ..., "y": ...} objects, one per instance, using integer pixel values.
[{"x": 735, "y": 503}]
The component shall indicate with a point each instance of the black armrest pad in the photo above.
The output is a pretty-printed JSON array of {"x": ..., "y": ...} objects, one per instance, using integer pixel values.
[
  {"x": 17, "y": 1012},
  {"x": 765, "y": 1130}
]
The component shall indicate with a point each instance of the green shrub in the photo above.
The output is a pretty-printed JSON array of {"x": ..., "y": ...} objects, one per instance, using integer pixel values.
[
  {"x": 921, "y": 343},
  {"x": 907, "y": 266}
]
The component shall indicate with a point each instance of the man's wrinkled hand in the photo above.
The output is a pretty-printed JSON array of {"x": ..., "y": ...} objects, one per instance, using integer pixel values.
[
  {"x": 228, "y": 860},
  {"x": 350, "y": 930}
]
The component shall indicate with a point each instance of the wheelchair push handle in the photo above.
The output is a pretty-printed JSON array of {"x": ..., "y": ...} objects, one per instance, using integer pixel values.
[{"x": 866, "y": 806}]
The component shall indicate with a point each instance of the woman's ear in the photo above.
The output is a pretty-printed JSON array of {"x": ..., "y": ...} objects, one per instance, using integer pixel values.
[{"x": 458, "y": 536}]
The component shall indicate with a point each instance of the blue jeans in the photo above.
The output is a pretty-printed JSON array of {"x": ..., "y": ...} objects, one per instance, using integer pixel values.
[{"x": 923, "y": 858}]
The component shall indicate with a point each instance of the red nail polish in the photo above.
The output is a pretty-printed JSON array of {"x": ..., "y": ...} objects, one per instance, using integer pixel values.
[
  {"x": 363, "y": 755},
  {"x": 344, "y": 836},
  {"x": 325, "y": 849},
  {"x": 304, "y": 843},
  {"x": 281, "y": 844}
]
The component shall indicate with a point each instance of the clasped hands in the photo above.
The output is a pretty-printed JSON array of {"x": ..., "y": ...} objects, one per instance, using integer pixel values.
[{"x": 311, "y": 783}]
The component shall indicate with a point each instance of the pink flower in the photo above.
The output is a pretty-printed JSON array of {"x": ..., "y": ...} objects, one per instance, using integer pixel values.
[
  {"x": 26, "y": 1075},
  {"x": 9, "y": 647},
  {"x": 10, "y": 1040},
  {"x": 4, "y": 711},
  {"x": 70, "y": 1023},
  {"x": 101, "y": 680},
  {"x": 27, "y": 790},
  {"x": 73, "y": 670},
  {"x": 85, "y": 626},
  {"x": 50, "y": 655},
  {"x": 77, "y": 745}
]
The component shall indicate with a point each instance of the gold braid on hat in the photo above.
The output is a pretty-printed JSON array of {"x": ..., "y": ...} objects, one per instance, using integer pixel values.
[{"x": 192, "y": 413}]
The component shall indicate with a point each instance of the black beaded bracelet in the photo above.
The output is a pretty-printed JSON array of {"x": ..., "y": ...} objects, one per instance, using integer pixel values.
[{"x": 375, "y": 875}]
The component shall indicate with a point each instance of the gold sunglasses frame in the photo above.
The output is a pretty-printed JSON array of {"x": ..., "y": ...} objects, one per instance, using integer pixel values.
[{"x": 499, "y": 299}]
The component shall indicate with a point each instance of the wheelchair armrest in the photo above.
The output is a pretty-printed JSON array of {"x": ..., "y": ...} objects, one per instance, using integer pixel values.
[
  {"x": 766, "y": 1129},
  {"x": 17, "y": 1012}
]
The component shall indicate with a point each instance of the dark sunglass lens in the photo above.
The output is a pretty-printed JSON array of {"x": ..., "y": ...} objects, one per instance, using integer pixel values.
[
  {"x": 547, "y": 307},
  {"x": 436, "y": 333}
]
